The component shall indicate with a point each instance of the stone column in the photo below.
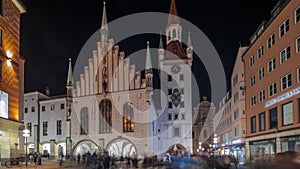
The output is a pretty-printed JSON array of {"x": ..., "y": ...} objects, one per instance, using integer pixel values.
[
  {"x": 247, "y": 152},
  {"x": 52, "y": 148},
  {"x": 36, "y": 138},
  {"x": 68, "y": 147},
  {"x": 278, "y": 145}
]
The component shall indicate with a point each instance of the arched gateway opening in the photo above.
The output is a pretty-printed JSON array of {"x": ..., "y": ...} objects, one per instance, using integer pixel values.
[
  {"x": 121, "y": 147},
  {"x": 176, "y": 148},
  {"x": 85, "y": 146}
]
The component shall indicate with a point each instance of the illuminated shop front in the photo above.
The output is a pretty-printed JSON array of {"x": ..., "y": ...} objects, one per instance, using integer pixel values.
[
  {"x": 262, "y": 149},
  {"x": 289, "y": 143}
]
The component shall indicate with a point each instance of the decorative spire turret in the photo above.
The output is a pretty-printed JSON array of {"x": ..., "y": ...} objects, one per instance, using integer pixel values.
[
  {"x": 189, "y": 42},
  {"x": 189, "y": 49},
  {"x": 104, "y": 27},
  {"x": 69, "y": 89},
  {"x": 70, "y": 76},
  {"x": 161, "y": 50},
  {"x": 148, "y": 69}
]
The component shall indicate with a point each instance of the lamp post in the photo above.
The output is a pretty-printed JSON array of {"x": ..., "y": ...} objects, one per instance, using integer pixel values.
[{"x": 26, "y": 134}]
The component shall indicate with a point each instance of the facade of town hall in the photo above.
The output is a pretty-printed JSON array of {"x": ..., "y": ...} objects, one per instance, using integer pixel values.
[{"x": 112, "y": 108}]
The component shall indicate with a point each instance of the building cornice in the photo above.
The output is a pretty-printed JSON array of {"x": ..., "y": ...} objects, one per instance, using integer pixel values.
[{"x": 19, "y": 5}]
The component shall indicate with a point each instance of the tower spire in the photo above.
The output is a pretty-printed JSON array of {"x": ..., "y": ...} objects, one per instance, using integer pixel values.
[
  {"x": 104, "y": 27},
  {"x": 70, "y": 76},
  {"x": 189, "y": 43},
  {"x": 173, "y": 14},
  {"x": 148, "y": 69},
  {"x": 161, "y": 46}
]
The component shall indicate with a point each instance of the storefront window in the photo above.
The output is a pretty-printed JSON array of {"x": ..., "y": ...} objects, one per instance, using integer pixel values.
[
  {"x": 289, "y": 144},
  {"x": 265, "y": 149}
]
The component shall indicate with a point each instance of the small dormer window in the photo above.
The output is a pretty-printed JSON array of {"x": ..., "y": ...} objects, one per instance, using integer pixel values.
[
  {"x": 174, "y": 33},
  {"x": 169, "y": 35},
  {"x": 175, "y": 47}
]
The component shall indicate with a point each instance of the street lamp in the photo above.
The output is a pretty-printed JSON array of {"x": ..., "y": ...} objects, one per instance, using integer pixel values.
[{"x": 26, "y": 134}]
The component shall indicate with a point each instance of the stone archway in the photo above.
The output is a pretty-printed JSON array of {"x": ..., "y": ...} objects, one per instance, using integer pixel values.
[
  {"x": 121, "y": 147},
  {"x": 85, "y": 146},
  {"x": 176, "y": 148}
]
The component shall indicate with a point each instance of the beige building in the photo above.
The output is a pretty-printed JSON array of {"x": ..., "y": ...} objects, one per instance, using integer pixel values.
[
  {"x": 272, "y": 69},
  {"x": 203, "y": 131},
  {"x": 110, "y": 103},
  {"x": 11, "y": 80},
  {"x": 230, "y": 121}
]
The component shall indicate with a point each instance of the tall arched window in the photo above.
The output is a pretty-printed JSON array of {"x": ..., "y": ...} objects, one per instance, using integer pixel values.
[
  {"x": 128, "y": 118},
  {"x": 84, "y": 118},
  {"x": 105, "y": 117},
  {"x": 174, "y": 33},
  {"x": 205, "y": 133}
]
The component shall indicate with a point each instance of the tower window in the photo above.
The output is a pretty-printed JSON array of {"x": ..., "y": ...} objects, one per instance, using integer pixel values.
[
  {"x": 170, "y": 106},
  {"x": 174, "y": 33},
  {"x": 169, "y": 78},
  {"x": 175, "y": 47},
  {"x": 169, "y": 91}
]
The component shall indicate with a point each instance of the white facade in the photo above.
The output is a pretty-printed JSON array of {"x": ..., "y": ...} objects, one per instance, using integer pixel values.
[
  {"x": 175, "y": 120},
  {"x": 42, "y": 110}
]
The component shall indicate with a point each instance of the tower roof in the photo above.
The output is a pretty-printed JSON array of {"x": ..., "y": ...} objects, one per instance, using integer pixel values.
[
  {"x": 148, "y": 61},
  {"x": 173, "y": 14},
  {"x": 171, "y": 54},
  {"x": 70, "y": 76}
]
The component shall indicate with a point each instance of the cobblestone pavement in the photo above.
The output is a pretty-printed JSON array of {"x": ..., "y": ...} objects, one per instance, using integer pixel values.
[{"x": 73, "y": 164}]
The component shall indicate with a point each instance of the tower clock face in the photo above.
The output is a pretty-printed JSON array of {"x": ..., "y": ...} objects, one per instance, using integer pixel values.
[{"x": 175, "y": 69}]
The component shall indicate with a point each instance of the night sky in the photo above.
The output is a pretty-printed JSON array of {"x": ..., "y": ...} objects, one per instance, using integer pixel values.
[{"x": 53, "y": 31}]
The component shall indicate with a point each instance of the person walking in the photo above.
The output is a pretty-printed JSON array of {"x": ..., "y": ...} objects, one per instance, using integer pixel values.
[{"x": 78, "y": 158}]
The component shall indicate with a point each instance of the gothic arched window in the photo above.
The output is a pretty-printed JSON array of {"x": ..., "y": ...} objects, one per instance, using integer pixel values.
[
  {"x": 105, "y": 117},
  {"x": 128, "y": 118},
  {"x": 84, "y": 119},
  {"x": 205, "y": 133}
]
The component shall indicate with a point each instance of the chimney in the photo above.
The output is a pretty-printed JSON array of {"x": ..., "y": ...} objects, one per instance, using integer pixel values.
[{"x": 47, "y": 91}]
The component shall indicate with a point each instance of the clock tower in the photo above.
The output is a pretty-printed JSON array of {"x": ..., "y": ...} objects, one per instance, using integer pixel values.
[{"x": 175, "y": 116}]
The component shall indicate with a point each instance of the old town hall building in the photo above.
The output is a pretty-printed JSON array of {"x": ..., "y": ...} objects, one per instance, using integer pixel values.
[{"x": 111, "y": 107}]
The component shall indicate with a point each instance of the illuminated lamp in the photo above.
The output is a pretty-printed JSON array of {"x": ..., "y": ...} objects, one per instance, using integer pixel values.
[{"x": 9, "y": 55}]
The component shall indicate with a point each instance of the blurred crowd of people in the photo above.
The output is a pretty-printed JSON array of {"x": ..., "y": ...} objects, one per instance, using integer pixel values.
[
  {"x": 284, "y": 160},
  {"x": 104, "y": 161}
]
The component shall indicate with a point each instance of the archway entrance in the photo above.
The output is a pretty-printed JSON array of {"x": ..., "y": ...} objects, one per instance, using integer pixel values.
[
  {"x": 85, "y": 146},
  {"x": 121, "y": 147},
  {"x": 176, "y": 148}
]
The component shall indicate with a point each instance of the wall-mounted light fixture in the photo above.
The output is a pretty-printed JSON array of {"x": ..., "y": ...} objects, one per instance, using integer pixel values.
[{"x": 9, "y": 55}]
